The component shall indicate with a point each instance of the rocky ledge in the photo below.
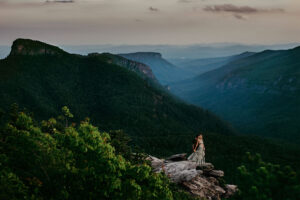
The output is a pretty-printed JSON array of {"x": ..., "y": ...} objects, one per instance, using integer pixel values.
[{"x": 201, "y": 181}]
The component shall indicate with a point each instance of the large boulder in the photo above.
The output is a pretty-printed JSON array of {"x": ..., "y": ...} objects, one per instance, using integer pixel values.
[
  {"x": 175, "y": 167},
  {"x": 202, "y": 187},
  {"x": 156, "y": 163},
  {"x": 185, "y": 175},
  {"x": 206, "y": 167},
  {"x": 230, "y": 190}
]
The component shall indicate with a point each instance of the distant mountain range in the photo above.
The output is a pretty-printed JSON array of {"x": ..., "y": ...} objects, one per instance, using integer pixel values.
[
  {"x": 259, "y": 94},
  {"x": 182, "y": 69},
  {"x": 202, "y": 65},
  {"x": 165, "y": 72},
  {"x": 182, "y": 52}
]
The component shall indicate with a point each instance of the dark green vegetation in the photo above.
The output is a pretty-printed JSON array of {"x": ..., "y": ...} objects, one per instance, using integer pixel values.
[
  {"x": 262, "y": 181},
  {"x": 164, "y": 71},
  {"x": 114, "y": 97},
  {"x": 259, "y": 94},
  {"x": 57, "y": 159},
  {"x": 54, "y": 161}
]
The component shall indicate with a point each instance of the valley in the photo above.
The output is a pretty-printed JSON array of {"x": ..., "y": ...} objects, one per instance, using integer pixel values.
[
  {"x": 258, "y": 94},
  {"x": 117, "y": 93}
]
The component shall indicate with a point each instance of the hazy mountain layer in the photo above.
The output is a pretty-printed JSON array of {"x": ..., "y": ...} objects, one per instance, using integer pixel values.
[
  {"x": 200, "y": 66},
  {"x": 259, "y": 94},
  {"x": 195, "y": 51},
  {"x": 164, "y": 71}
]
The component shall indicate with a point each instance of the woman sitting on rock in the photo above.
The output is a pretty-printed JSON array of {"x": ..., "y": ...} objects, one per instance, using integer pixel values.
[{"x": 198, "y": 155}]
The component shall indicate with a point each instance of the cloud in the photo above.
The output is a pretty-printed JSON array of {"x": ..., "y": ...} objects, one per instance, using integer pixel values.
[
  {"x": 152, "y": 9},
  {"x": 238, "y": 9},
  {"x": 31, "y": 3},
  {"x": 241, "y": 17},
  {"x": 239, "y": 12},
  {"x": 230, "y": 8}
]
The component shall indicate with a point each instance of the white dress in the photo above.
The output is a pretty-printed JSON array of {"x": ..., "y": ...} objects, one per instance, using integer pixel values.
[{"x": 199, "y": 155}]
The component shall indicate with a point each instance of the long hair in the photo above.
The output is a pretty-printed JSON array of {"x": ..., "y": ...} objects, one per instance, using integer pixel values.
[{"x": 195, "y": 141}]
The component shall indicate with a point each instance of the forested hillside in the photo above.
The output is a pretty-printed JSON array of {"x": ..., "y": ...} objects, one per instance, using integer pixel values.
[
  {"x": 43, "y": 78},
  {"x": 258, "y": 94}
]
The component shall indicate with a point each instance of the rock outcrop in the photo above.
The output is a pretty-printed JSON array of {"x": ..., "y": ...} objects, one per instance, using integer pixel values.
[{"x": 201, "y": 181}]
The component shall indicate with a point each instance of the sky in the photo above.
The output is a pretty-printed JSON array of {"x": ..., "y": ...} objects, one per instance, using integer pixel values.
[{"x": 76, "y": 22}]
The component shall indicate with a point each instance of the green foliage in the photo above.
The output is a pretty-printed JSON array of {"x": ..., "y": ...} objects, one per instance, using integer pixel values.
[
  {"x": 71, "y": 163},
  {"x": 67, "y": 112},
  {"x": 120, "y": 141},
  {"x": 11, "y": 187},
  {"x": 265, "y": 181}
]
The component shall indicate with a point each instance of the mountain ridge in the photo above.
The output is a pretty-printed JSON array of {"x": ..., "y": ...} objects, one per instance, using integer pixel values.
[
  {"x": 165, "y": 71},
  {"x": 116, "y": 97},
  {"x": 258, "y": 94}
]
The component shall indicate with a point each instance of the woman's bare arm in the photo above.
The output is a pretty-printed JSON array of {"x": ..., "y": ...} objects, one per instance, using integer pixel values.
[{"x": 195, "y": 148}]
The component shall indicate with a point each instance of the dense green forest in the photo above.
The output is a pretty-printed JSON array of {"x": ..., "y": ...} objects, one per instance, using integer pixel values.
[
  {"x": 59, "y": 159},
  {"x": 262, "y": 180}
]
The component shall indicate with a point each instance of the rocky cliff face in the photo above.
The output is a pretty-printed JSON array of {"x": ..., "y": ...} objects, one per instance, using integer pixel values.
[{"x": 201, "y": 181}]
